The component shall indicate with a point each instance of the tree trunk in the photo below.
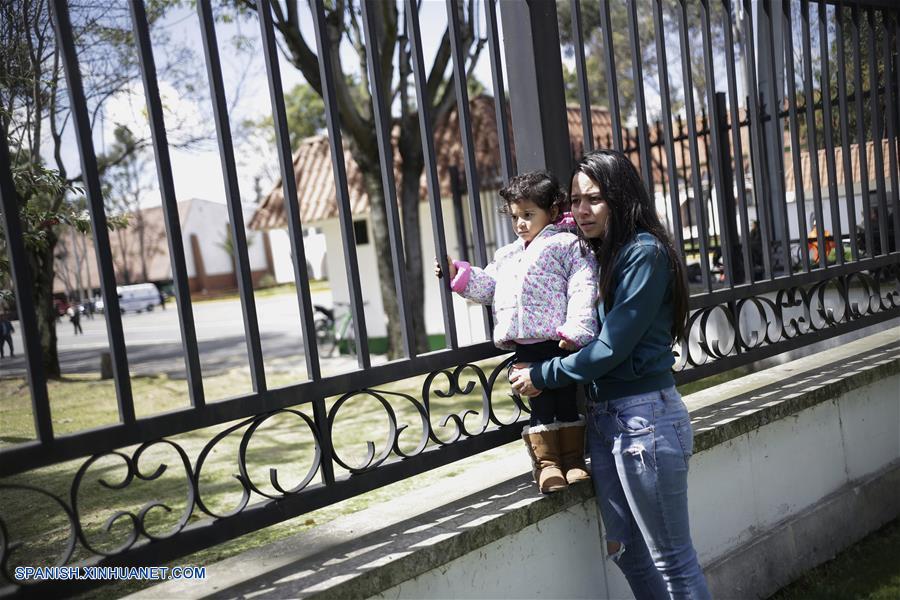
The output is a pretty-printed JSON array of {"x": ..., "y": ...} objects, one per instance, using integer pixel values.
[
  {"x": 42, "y": 269},
  {"x": 378, "y": 214},
  {"x": 412, "y": 242}
]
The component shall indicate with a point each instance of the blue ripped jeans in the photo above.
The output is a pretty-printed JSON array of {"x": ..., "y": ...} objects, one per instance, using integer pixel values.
[{"x": 640, "y": 446}]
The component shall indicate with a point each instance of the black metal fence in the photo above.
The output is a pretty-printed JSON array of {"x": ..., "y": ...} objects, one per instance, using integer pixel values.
[{"x": 768, "y": 295}]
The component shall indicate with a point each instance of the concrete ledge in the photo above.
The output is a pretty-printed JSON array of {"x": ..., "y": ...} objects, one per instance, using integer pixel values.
[
  {"x": 424, "y": 546},
  {"x": 800, "y": 542},
  {"x": 741, "y": 413}
]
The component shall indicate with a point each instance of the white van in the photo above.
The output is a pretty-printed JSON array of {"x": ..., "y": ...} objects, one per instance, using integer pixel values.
[{"x": 138, "y": 297}]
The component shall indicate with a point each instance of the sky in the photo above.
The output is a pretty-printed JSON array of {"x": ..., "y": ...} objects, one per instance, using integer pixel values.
[{"x": 197, "y": 170}]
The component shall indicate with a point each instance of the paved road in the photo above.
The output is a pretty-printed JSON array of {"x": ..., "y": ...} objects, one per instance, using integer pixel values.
[{"x": 154, "y": 339}]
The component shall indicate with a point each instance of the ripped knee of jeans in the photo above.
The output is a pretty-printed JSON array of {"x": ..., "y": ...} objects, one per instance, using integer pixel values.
[
  {"x": 614, "y": 550},
  {"x": 637, "y": 450}
]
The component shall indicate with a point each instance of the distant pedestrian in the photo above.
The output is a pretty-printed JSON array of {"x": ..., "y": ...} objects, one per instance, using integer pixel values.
[
  {"x": 162, "y": 299},
  {"x": 6, "y": 331},
  {"x": 76, "y": 321}
]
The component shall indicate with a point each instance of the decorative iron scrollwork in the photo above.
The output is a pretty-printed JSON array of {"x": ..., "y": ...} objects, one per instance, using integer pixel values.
[
  {"x": 723, "y": 330},
  {"x": 460, "y": 381}
]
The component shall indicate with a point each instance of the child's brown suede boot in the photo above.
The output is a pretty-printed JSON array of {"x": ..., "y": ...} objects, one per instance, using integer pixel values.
[
  {"x": 543, "y": 448},
  {"x": 571, "y": 451}
]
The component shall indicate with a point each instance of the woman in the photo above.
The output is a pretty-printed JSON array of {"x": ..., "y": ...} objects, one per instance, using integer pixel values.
[{"x": 639, "y": 431}]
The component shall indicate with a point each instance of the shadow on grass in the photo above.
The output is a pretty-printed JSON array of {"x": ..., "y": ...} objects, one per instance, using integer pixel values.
[
  {"x": 868, "y": 570},
  {"x": 284, "y": 441}
]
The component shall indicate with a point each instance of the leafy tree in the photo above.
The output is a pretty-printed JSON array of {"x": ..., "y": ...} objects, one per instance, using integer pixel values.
[
  {"x": 35, "y": 118},
  {"x": 849, "y": 51},
  {"x": 595, "y": 66},
  {"x": 305, "y": 113},
  {"x": 126, "y": 187},
  {"x": 343, "y": 23},
  {"x": 593, "y": 35}
]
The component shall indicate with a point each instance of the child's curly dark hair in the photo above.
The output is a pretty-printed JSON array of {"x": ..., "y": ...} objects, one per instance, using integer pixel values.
[{"x": 541, "y": 187}]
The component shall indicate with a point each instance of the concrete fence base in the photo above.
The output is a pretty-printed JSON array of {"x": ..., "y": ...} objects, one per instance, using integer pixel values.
[{"x": 791, "y": 465}]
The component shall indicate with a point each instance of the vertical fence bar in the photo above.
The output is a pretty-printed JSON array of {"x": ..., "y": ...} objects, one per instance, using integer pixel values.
[
  {"x": 896, "y": 30},
  {"x": 891, "y": 124},
  {"x": 737, "y": 148},
  {"x": 682, "y": 138},
  {"x": 687, "y": 82},
  {"x": 345, "y": 214},
  {"x": 729, "y": 238},
  {"x": 660, "y": 145},
  {"x": 587, "y": 127},
  {"x": 794, "y": 124},
  {"x": 844, "y": 111},
  {"x": 91, "y": 178},
  {"x": 232, "y": 196},
  {"x": 295, "y": 234},
  {"x": 760, "y": 187},
  {"x": 289, "y": 190},
  {"x": 381, "y": 112},
  {"x": 612, "y": 85},
  {"x": 856, "y": 42},
  {"x": 812, "y": 144},
  {"x": 458, "y": 215},
  {"x": 465, "y": 131},
  {"x": 778, "y": 202},
  {"x": 506, "y": 158},
  {"x": 877, "y": 132},
  {"x": 709, "y": 203},
  {"x": 170, "y": 205},
  {"x": 431, "y": 176},
  {"x": 643, "y": 140},
  {"x": 22, "y": 279},
  {"x": 829, "y": 135},
  {"x": 719, "y": 150}
]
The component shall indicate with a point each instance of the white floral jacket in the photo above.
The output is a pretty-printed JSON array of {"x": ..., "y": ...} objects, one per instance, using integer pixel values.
[{"x": 546, "y": 290}]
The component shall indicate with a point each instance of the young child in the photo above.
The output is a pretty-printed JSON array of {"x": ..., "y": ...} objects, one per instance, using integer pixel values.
[{"x": 543, "y": 291}]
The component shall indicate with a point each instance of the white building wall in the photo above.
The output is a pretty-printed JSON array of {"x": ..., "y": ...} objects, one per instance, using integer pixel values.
[
  {"x": 314, "y": 246},
  {"x": 208, "y": 220},
  {"x": 281, "y": 255},
  {"x": 368, "y": 276},
  {"x": 469, "y": 317},
  {"x": 809, "y": 205}
]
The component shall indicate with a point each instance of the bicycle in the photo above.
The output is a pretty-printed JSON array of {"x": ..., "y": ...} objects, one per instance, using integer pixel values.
[{"x": 334, "y": 332}]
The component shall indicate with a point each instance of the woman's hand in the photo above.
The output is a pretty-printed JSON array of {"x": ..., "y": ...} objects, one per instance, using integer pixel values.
[
  {"x": 520, "y": 380},
  {"x": 439, "y": 273}
]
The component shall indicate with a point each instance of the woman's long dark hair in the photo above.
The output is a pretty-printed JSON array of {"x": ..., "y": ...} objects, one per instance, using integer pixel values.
[{"x": 630, "y": 208}]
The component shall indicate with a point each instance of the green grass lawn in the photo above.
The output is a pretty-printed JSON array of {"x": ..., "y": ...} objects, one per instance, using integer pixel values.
[
  {"x": 869, "y": 570},
  {"x": 284, "y": 442}
]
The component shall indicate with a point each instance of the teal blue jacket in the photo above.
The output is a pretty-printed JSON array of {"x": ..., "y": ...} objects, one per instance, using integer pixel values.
[{"x": 633, "y": 353}]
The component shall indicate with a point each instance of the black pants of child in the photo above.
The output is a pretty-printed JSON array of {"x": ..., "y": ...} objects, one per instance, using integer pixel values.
[{"x": 550, "y": 405}]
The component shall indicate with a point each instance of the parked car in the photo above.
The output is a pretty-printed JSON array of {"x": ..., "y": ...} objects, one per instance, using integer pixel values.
[{"x": 134, "y": 298}]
